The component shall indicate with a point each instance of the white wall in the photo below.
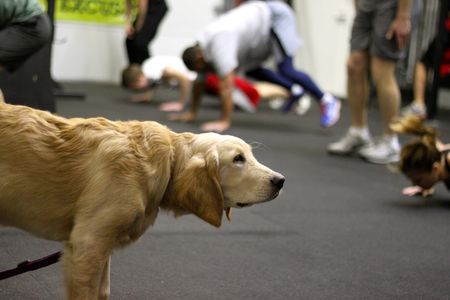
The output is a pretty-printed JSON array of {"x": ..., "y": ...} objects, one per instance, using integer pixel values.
[
  {"x": 92, "y": 52},
  {"x": 325, "y": 26}
]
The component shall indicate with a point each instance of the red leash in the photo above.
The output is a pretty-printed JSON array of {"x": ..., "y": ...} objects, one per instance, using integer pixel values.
[{"x": 27, "y": 265}]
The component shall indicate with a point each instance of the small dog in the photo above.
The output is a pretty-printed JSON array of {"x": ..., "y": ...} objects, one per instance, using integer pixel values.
[{"x": 98, "y": 185}]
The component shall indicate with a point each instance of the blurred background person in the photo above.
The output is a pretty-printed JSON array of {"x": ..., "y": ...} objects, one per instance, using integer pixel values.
[
  {"x": 379, "y": 35},
  {"x": 170, "y": 70},
  {"x": 142, "y": 28},
  {"x": 426, "y": 160},
  {"x": 24, "y": 29},
  {"x": 241, "y": 40}
]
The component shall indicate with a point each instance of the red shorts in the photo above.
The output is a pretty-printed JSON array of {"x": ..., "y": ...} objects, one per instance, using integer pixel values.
[{"x": 212, "y": 87}]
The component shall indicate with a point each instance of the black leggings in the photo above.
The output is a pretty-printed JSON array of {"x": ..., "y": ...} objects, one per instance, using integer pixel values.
[{"x": 137, "y": 46}]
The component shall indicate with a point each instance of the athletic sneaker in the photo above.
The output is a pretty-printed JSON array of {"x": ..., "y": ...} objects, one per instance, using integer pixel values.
[
  {"x": 383, "y": 151},
  {"x": 415, "y": 110},
  {"x": 276, "y": 103},
  {"x": 330, "y": 111},
  {"x": 304, "y": 104},
  {"x": 296, "y": 93},
  {"x": 350, "y": 143}
]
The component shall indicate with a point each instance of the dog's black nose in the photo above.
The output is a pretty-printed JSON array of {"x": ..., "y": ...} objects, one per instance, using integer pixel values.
[{"x": 278, "y": 181}]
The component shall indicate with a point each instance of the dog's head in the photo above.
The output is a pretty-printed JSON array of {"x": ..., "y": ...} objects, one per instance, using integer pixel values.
[{"x": 222, "y": 174}]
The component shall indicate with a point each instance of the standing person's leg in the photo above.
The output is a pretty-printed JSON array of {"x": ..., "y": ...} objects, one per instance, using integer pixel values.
[
  {"x": 387, "y": 147},
  {"x": 385, "y": 52},
  {"x": 358, "y": 88},
  {"x": 418, "y": 106},
  {"x": 138, "y": 45},
  {"x": 420, "y": 80},
  {"x": 420, "y": 83},
  {"x": 388, "y": 91},
  {"x": 357, "y": 136}
]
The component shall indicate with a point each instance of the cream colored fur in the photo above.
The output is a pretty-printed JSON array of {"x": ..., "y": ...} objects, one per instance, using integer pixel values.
[{"x": 96, "y": 184}]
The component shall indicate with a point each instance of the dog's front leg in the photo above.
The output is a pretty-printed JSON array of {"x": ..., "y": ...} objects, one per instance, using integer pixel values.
[
  {"x": 104, "y": 291},
  {"x": 84, "y": 264}
]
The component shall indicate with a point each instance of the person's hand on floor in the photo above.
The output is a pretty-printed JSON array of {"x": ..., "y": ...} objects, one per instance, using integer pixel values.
[{"x": 417, "y": 191}]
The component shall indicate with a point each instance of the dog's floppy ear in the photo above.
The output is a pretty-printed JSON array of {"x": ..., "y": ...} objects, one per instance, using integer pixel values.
[{"x": 198, "y": 190}]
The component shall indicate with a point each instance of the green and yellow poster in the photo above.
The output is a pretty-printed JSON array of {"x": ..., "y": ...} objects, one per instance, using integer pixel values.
[{"x": 94, "y": 11}]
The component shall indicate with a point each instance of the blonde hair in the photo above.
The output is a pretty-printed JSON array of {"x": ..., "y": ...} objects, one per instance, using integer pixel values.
[
  {"x": 131, "y": 74},
  {"x": 419, "y": 154}
]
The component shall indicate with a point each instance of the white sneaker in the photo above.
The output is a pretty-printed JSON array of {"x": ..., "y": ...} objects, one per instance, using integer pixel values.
[
  {"x": 276, "y": 103},
  {"x": 414, "y": 110},
  {"x": 350, "y": 143},
  {"x": 383, "y": 151},
  {"x": 304, "y": 104}
]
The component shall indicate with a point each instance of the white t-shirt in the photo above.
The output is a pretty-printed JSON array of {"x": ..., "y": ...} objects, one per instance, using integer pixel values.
[
  {"x": 238, "y": 38},
  {"x": 154, "y": 67}
]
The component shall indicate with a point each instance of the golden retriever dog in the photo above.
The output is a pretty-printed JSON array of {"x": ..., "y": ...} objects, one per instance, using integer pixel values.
[{"x": 97, "y": 185}]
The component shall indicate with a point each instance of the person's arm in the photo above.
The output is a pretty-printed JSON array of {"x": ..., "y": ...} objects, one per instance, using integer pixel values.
[
  {"x": 226, "y": 84},
  {"x": 401, "y": 26},
  {"x": 197, "y": 93},
  {"x": 417, "y": 191},
  {"x": 183, "y": 81},
  {"x": 441, "y": 146}
]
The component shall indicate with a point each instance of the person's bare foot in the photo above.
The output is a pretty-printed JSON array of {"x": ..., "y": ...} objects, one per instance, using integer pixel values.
[
  {"x": 182, "y": 117},
  {"x": 171, "y": 107},
  {"x": 417, "y": 190}
]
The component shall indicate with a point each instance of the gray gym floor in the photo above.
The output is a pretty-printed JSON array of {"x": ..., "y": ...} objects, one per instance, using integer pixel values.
[{"x": 340, "y": 230}]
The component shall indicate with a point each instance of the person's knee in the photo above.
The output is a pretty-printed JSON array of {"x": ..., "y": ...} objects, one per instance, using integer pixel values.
[
  {"x": 357, "y": 65},
  {"x": 382, "y": 70}
]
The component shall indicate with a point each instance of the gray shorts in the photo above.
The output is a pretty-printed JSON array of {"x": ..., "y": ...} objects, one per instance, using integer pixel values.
[
  {"x": 19, "y": 41},
  {"x": 284, "y": 38},
  {"x": 369, "y": 30}
]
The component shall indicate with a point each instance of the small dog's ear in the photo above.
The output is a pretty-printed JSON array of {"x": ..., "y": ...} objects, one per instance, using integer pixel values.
[{"x": 197, "y": 188}]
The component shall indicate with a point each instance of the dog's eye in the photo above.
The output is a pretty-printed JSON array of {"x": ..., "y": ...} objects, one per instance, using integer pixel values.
[{"x": 239, "y": 158}]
